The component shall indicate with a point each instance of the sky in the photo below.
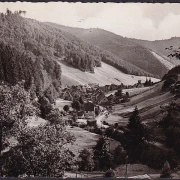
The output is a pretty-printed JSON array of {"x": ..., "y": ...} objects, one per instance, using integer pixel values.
[{"x": 134, "y": 20}]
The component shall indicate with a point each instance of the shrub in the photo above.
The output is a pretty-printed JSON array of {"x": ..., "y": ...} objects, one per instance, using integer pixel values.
[
  {"x": 66, "y": 108},
  {"x": 109, "y": 173}
]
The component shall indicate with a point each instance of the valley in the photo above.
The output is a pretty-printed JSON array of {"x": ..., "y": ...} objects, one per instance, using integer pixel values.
[{"x": 80, "y": 102}]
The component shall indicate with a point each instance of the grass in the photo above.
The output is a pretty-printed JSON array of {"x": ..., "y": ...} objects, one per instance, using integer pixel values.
[
  {"x": 134, "y": 170},
  {"x": 60, "y": 103},
  {"x": 104, "y": 75},
  {"x": 86, "y": 140},
  {"x": 148, "y": 105},
  {"x": 35, "y": 121}
]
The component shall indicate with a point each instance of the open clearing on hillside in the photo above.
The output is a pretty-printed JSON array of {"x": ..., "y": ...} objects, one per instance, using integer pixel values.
[
  {"x": 86, "y": 140},
  {"x": 134, "y": 170},
  {"x": 132, "y": 92},
  {"x": 164, "y": 61},
  {"x": 148, "y": 103},
  {"x": 104, "y": 75}
]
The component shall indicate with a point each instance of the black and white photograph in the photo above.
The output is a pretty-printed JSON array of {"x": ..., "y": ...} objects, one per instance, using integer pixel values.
[{"x": 90, "y": 90}]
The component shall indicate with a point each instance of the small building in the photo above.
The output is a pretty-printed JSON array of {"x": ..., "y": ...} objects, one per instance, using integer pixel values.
[
  {"x": 91, "y": 122},
  {"x": 101, "y": 98},
  {"x": 139, "y": 84},
  {"x": 80, "y": 114},
  {"x": 89, "y": 106},
  {"x": 89, "y": 110}
]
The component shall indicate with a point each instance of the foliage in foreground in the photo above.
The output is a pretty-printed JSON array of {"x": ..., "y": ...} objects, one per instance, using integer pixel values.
[{"x": 39, "y": 151}]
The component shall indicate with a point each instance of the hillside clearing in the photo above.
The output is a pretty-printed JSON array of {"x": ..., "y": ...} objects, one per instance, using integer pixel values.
[
  {"x": 132, "y": 91},
  {"x": 104, "y": 75},
  {"x": 148, "y": 103},
  {"x": 164, "y": 61},
  {"x": 86, "y": 140}
]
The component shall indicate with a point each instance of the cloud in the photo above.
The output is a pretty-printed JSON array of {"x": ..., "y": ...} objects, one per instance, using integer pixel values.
[
  {"x": 158, "y": 12},
  {"x": 135, "y": 20}
]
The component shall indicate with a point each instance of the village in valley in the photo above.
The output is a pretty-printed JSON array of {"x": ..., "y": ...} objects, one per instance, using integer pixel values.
[
  {"x": 85, "y": 102},
  {"x": 86, "y": 108}
]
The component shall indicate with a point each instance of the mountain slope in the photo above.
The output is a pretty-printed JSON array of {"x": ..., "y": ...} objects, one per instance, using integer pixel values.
[
  {"x": 44, "y": 40},
  {"x": 121, "y": 47},
  {"x": 169, "y": 65},
  {"x": 103, "y": 75},
  {"x": 160, "y": 47}
]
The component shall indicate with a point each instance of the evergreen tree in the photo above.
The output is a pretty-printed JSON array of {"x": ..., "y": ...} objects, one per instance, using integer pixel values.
[
  {"x": 136, "y": 136},
  {"x": 166, "y": 171},
  {"x": 102, "y": 157},
  {"x": 119, "y": 155},
  {"x": 45, "y": 106},
  {"x": 118, "y": 93},
  {"x": 127, "y": 94},
  {"x": 76, "y": 105},
  {"x": 86, "y": 162},
  {"x": 81, "y": 100},
  {"x": 134, "y": 120}
]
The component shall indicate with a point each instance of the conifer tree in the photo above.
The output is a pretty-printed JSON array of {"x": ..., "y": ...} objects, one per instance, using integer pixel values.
[
  {"x": 166, "y": 171},
  {"x": 137, "y": 135}
]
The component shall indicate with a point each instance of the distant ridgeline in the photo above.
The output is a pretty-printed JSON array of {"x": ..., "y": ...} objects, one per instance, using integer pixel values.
[{"x": 41, "y": 39}]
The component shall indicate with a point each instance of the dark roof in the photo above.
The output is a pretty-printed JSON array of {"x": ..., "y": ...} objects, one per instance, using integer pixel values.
[{"x": 88, "y": 106}]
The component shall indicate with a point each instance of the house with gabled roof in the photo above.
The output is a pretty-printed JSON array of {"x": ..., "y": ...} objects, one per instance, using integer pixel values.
[{"x": 89, "y": 110}]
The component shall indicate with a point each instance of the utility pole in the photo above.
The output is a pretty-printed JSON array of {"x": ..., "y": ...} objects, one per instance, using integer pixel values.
[
  {"x": 1, "y": 129},
  {"x": 126, "y": 167}
]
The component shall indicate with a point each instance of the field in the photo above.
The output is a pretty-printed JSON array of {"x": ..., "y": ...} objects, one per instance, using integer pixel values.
[
  {"x": 164, "y": 61},
  {"x": 132, "y": 91},
  {"x": 103, "y": 76},
  {"x": 86, "y": 140},
  {"x": 132, "y": 170},
  {"x": 60, "y": 103},
  {"x": 148, "y": 103}
]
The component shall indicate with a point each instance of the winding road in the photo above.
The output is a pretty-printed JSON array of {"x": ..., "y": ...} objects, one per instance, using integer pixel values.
[{"x": 99, "y": 120}]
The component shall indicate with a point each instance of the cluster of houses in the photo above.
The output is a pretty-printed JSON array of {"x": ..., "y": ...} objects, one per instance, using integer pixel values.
[
  {"x": 96, "y": 93},
  {"x": 94, "y": 97},
  {"x": 114, "y": 99},
  {"x": 92, "y": 92},
  {"x": 86, "y": 115}
]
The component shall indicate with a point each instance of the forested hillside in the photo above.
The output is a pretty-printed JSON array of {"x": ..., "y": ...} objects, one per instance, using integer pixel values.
[
  {"x": 162, "y": 47},
  {"x": 123, "y": 48},
  {"x": 41, "y": 74},
  {"x": 44, "y": 40}
]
